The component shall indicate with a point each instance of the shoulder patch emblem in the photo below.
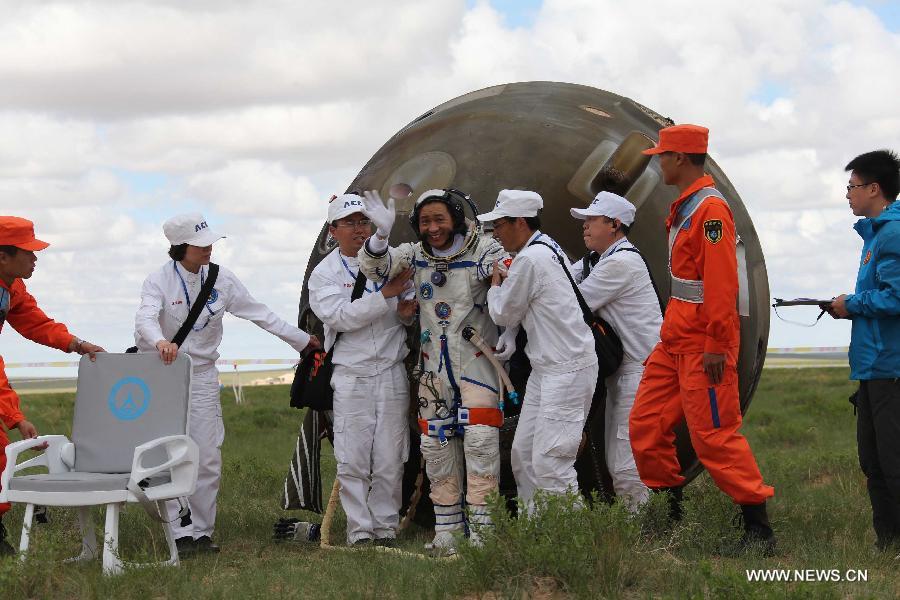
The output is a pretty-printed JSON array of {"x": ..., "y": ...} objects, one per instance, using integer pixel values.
[{"x": 712, "y": 230}]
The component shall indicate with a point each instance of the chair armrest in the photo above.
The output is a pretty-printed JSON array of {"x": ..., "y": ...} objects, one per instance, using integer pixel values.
[
  {"x": 51, "y": 458},
  {"x": 182, "y": 465}
]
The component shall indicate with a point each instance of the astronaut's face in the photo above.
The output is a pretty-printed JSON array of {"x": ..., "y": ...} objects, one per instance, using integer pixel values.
[{"x": 436, "y": 225}]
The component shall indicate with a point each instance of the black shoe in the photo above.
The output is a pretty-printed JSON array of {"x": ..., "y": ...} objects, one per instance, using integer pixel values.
[
  {"x": 386, "y": 542},
  {"x": 186, "y": 546},
  {"x": 6, "y": 548},
  {"x": 205, "y": 545},
  {"x": 361, "y": 543},
  {"x": 758, "y": 535}
]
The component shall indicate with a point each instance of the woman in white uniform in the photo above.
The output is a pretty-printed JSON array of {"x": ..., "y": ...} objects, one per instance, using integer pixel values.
[{"x": 166, "y": 298}]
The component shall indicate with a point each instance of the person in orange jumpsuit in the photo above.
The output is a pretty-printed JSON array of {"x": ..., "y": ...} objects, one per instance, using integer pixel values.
[
  {"x": 18, "y": 307},
  {"x": 691, "y": 373}
]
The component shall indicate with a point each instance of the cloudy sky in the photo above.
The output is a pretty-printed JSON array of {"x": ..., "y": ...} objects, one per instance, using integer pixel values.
[{"x": 114, "y": 115}]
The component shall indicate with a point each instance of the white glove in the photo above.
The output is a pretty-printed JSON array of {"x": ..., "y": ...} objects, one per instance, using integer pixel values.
[
  {"x": 506, "y": 345},
  {"x": 373, "y": 207}
]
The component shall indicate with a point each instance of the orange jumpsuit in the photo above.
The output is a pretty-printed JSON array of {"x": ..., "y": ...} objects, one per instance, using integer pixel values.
[
  {"x": 31, "y": 322},
  {"x": 674, "y": 384}
]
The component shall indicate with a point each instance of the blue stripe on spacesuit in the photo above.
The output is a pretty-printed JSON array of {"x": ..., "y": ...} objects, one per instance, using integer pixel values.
[
  {"x": 478, "y": 383},
  {"x": 460, "y": 264},
  {"x": 445, "y": 356}
]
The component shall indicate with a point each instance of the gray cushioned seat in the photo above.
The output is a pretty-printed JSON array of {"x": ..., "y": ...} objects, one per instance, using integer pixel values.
[{"x": 74, "y": 481}]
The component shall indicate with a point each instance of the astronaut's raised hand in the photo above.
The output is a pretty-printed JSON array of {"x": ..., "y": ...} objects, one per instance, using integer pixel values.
[
  {"x": 383, "y": 217},
  {"x": 506, "y": 345}
]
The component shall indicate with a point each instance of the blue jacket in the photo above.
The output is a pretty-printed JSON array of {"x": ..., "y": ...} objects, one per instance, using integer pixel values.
[{"x": 875, "y": 307}]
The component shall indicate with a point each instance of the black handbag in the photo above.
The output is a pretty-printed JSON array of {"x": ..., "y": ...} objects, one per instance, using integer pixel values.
[
  {"x": 311, "y": 387},
  {"x": 196, "y": 308},
  {"x": 607, "y": 343}
]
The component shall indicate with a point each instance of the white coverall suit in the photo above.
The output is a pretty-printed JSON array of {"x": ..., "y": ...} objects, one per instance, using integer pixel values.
[
  {"x": 454, "y": 368},
  {"x": 166, "y": 297},
  {"x": 371, "y": 395},
  {"x": 619, "y": 289},
  {"x": 537, "y": 294}
]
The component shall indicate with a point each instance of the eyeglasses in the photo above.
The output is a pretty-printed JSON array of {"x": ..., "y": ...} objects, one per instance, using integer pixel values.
[
  {"x": 502, "y": 221},
  {"x": 851, "y": 185},
  {"x": 353, "y": 224}
]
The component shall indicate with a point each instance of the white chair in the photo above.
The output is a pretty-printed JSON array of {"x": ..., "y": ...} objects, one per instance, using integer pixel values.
[{"x": 129, "y": 444}]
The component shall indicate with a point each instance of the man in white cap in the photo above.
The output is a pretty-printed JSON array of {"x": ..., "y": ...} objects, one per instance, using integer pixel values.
[
  {"x": 166, "y": 298},
  {"x": 459, "y": 385},
  {"x": 616, "y": 284},
  {"x": 537, "y": 293},
  {"x": 371, "y": 389}
]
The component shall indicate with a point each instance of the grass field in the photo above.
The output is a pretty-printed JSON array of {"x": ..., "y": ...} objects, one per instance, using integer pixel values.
[{"x": 800, "y": 426}]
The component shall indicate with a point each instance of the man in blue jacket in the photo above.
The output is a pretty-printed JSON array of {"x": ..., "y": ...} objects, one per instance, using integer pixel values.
[{"x": 875, "y": 339}]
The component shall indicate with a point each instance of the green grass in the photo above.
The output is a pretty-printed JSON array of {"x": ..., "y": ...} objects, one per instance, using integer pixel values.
[{"x": 800, "y": 426}]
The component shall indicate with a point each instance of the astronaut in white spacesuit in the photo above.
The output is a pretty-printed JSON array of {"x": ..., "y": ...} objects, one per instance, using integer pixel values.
[{"x": 460, "y": 394}]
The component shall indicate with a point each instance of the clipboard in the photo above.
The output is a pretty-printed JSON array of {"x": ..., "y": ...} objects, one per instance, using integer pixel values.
[{"x": 779, "y": 302}]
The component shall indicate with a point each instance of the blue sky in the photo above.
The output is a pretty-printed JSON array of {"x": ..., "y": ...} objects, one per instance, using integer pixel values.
[{"x": 887, "y": 10}]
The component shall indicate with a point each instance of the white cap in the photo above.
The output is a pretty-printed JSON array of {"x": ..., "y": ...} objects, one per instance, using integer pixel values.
[
  {"x": 607, "y": 204},
  {"x": 514, "y": 203},
  {"x": 190, "y": 229},
  {"x": 344, "y": 205}
]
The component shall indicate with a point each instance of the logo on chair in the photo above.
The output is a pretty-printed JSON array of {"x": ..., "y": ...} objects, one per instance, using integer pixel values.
[{"x": 129, "y": 398}]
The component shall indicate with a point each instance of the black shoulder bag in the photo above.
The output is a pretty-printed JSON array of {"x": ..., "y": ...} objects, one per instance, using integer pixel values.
[
  {"x": 196, "y": 308},
  {"x": 607, "y": 344},
  {"x": 312, "y": 378}
]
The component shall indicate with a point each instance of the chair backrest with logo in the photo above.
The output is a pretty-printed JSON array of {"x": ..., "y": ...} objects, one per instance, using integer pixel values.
[{"x": 123, "y": 401}]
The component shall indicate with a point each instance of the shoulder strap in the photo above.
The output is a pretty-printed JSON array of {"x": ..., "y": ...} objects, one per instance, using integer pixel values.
[
  {"x": 357, "y": 293},
  {"x": 585, "y": 311},
  {"x": 662, "y": 307},
  {"x": 198, "y": 305}
]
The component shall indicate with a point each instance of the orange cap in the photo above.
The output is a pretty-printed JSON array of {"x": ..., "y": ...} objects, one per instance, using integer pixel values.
[
  {"x": 690, "y": 139},
  {"x": 19, "y": 232}
]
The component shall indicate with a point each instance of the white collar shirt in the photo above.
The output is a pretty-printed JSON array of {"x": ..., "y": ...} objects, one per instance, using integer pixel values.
[
  {"x": 164, "y": 307},
  {"x": 373, "y": 338},
  {"x": 619, "y": 290},
  {"x": 538, "y": 295}
]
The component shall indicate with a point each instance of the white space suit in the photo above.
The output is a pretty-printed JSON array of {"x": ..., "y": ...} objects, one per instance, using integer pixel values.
[
  {"x": 538, "y": 295},
  {"x": 371, "y": 395},
  {"x": 166, "y": 297},
  {"x": 619, "y": 289},
  {"x": 451, "y": 288}
]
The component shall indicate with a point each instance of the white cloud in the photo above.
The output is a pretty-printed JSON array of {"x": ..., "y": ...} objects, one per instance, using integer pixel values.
[{"x": 255, "y": 112}]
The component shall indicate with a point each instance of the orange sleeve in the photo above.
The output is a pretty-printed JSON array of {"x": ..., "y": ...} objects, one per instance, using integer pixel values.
[
  {"x": 10, "y": 413},
  {"x": 715, "y": 237},
  {"x": 31, "y": 322}
]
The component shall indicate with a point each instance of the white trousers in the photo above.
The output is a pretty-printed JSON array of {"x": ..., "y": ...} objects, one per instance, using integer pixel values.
[
  {"x": 628, "y": 486},
  {"x": 549, "y": 432},
  {"x": 371, "y": 443},
  {"x": 207, "y": 429}
]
